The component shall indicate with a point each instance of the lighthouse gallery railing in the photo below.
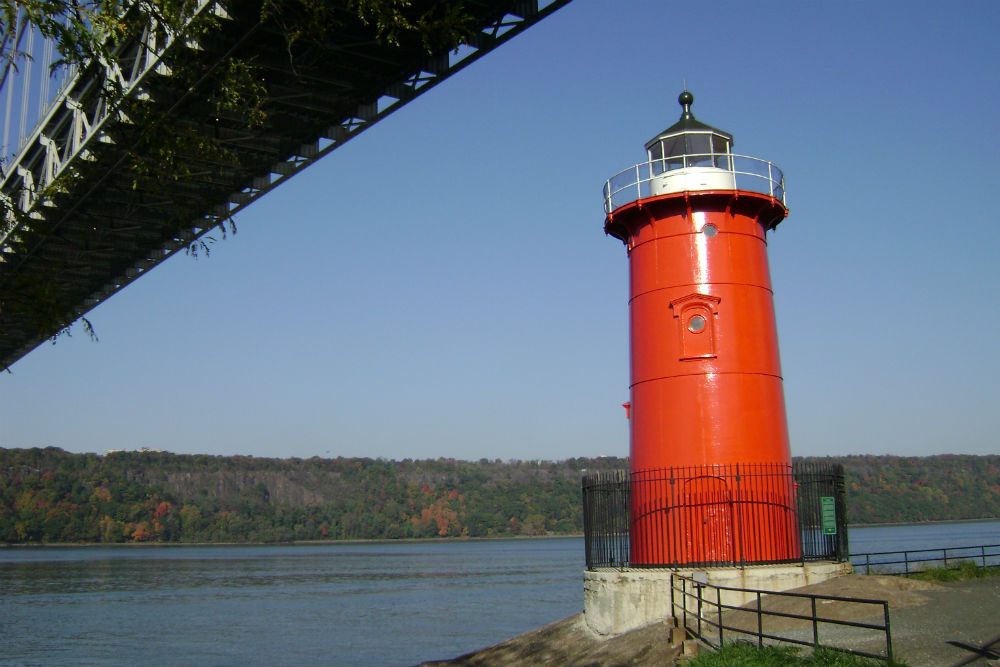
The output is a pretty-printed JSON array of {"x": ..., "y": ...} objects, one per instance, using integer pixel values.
[
  {"x": 749, "y": 174},
  {"x": 739, "y": 492}
]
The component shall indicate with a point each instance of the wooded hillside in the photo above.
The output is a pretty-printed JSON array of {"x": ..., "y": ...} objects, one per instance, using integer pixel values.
[{"x": 49, "y": 495}]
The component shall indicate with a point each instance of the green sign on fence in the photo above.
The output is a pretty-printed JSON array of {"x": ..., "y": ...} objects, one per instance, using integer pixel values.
[{"x": 828, "y": 513}]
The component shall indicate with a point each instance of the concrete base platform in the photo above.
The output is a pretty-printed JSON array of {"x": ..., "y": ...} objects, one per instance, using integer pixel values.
[{"x": 617, "y": 601}]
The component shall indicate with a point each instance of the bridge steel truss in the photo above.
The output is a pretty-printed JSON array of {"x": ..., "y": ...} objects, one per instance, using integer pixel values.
[{"x": 67, "y": 245}]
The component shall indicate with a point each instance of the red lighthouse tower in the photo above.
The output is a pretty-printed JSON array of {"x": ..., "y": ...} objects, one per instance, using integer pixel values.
[{"x": 711, "y": 477}]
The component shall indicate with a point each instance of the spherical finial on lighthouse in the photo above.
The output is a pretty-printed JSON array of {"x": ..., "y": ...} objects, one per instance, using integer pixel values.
[
  {"x": 686, "y": 99},
  {"x": 707, "y": 412}
]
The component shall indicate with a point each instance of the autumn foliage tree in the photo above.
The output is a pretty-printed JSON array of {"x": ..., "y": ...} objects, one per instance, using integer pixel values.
[{"x": 51, "y": 496}]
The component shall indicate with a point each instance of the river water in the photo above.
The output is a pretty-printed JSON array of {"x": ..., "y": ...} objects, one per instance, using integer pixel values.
[{"x": 350, "y": 605}]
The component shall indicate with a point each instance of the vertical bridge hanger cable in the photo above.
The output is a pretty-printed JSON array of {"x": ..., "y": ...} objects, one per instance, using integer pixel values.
[
  {"x": 10, "y": 45},
  {"x": 26, "y": 87}
]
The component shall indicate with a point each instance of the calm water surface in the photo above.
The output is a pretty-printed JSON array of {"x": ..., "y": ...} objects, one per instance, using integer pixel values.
[
  {"x": 350, "y": 605},
  {"x": 911, "y": 537}
]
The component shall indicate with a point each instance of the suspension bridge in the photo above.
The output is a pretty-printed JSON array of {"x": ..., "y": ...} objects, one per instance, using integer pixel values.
[{"x": 89, "y": 198}]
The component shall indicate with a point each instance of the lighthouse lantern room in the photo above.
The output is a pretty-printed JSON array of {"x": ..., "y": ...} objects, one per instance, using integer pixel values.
[{"x": 690, "y": 155}]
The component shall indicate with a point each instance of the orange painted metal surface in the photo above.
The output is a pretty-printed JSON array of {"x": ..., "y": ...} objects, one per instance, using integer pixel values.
[{"x": 706, "y": 386}]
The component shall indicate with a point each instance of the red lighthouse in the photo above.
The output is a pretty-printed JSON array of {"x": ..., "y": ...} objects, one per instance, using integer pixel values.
[{"x": 710, "y": 466}]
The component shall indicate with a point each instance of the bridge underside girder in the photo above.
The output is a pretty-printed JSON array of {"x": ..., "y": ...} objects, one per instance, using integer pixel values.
[{"x": 128, "y": 206}]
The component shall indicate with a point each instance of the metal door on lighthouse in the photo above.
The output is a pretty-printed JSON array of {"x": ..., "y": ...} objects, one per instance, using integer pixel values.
[{"x": 706, "y": 514}]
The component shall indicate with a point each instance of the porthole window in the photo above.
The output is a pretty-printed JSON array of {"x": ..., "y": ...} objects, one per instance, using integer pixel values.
[
  {"x": 696, "y": 316},
  {"x": 710, "y": 230}
]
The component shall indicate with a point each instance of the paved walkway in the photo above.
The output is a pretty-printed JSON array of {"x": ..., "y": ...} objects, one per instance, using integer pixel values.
[
  {"x": 958, "y": 625},
  {"x": 933, "y": 625}
]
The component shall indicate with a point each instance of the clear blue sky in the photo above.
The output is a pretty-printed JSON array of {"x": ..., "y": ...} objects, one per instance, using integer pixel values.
[{"x": 441, "y": 286}]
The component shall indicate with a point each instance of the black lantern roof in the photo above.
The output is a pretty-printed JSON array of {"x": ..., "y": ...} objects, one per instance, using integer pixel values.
[{"x": 687, "y": 123}]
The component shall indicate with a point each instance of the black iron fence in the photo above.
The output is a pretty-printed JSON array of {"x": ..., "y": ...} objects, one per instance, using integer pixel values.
[
  {"x": 740, "y": 514},
  {"x": 717, "y": 614},
  {"x": 822, "y": 510},
  {"x": 915, "y": 560},
  {"x": 606, "y": 518}
]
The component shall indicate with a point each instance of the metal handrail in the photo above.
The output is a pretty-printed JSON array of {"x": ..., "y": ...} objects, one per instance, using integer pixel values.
[
  {"x": 703, "y": 614},
  {"x": 749, "y": 173},
  {"x": 947, "y": 556}
]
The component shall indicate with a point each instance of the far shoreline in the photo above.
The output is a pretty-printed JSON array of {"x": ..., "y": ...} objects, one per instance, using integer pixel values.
[
  {"x": 921, "y": 523},
  {"x": 401, "y": 540},
  {"x": 380, "y": 540}
]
